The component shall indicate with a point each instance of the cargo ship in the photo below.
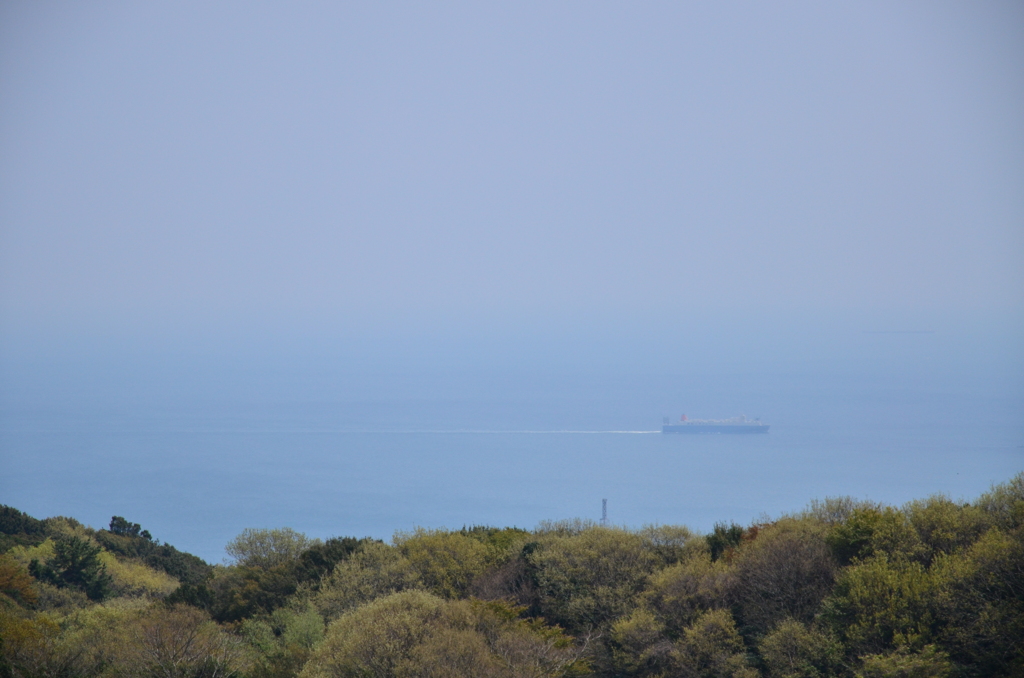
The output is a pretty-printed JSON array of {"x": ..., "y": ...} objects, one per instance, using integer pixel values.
[{"x": 738, "y": 424}]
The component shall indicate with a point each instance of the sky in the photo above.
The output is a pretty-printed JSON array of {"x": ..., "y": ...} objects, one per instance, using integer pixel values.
[
  {"x": 220, "y": 177},
  {"x": 305, "y": 216}
]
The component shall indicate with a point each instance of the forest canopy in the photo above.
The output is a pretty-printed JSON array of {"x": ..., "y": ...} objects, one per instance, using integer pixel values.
[{"x": 846, "y": 588}]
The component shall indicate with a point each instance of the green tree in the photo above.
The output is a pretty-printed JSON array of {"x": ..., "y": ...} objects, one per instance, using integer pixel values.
[
  {"x": 13, "y": 521},
  {"x": 723, "y": 539},
  {"x": 184, "y": 567},
  {"x": 945, "y": 526},
  {"x": 179, "y": 642},
  {"x": 832, "y": 511},
  {"x": 500, "y": 540},
  {"x": 16, "y": 585},
  {"x": 680, "y": 593},
  {"x": 240, "y": 592},
  {"x": 447, "y": 562},
  {"x": 513, "y": 580},
  {"x": 378, "y": 639},
  {"x": 711, "y": 647},
  {"x": 784, "y": 573},
  {"x": 268, "y": 548},
  {"x": 671, "y": 543},
  {"x": 639, "y": 646},
  {"x": 375, "y": 570},
  {"x": 588, "y": 580},
  {"x": 979, "y": 596},
  {"x": 872, "y": 530},
  {"x": 37, "y": 647},
  {"x": 320, "y": 559},
  {"x": 19, "y": 529},
  {"x": 1004, "y": 503},
  {"x": 123, "y": 528},
  {"x": 879, "y": 604},
  {"x": 284, "y": 640},
  {"x": 792, "y": 650},
  {"x": 417, "y": 634},
  {"x": 75, "y": 564},
  {"x": 900, "y": 663}
]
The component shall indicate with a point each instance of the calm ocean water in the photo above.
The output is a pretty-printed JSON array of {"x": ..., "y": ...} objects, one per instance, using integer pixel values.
[{"x": 371, "y": 455}]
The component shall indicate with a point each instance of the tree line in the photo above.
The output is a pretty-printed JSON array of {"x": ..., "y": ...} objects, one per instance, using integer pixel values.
[{"x": 845, "y": 588}]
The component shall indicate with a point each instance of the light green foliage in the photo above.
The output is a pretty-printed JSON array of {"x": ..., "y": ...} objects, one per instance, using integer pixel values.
[
  {"x": 268, "y": 548},
  {"x": 83, "y": 643},
  {"x": 571, "y": 527},
  {"x": 875, "y": 530},
  {"x": 945, "y": 526},
  {"x": 880, "y": 603},
  {"x": 932, "y": 590},
  {"x": 32, "y": 647},
  {"x": 895, "y": 536},
  {"x": 447, "y": 562},
  {"x": 711, "y": 647},
  {"x": 59, "y": 600},
  {"x": 671, "y": 543},
  {"x": 639, "y": 646},
  {"x": 504, "y": 576},
  {"x": 62, "y": 526},
  {"x": 452, "y": 653},
  {"x": 133, "y": 543},
  {"x": 135, "y": 579},
  {"x": 375, "y": 570},
  {"x": 102, "y": 631},
  {"x": 282, "y": 642},
  {"x": 678, "y": 594},
  {"x": 26, "y": 554},
  {"x": 793, "y": 650},
  {"x": 980, "y": 603},
  {"x": 299, "y": 625},
  {"x": 832, "y": 511},
  {"x": 124, "y": 638},
  {"x": 502, "y": 542},
  {"x": 784, "y": 572},
  {"x": 259, "y": 634},
  {"x": 591, "y": 578},
  {"x": 927, "y": 663},
  {"x": 414, "y": 633},
  {"x": 1004, "y": 503}
]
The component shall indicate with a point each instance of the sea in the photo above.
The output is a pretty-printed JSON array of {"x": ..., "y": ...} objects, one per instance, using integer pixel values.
[{"x": 198, "y": 451}]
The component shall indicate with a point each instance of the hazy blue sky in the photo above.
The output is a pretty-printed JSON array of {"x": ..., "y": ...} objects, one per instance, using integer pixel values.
[
  {"x": 371, "y": 169},
  {"x": 228, "y": 230}
]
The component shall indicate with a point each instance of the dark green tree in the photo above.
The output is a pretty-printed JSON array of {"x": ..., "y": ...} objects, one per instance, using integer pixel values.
[
  {"x": 75, "y": 564},
  {"x": 122, "y": 527},
  {"x": 319, "y": 560},
  {"x": 723, "y": 538},
  {"x": 784, "y": 573},
  {"x": 13, "y": 521},
  {"x": 19, "y": 529}
]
